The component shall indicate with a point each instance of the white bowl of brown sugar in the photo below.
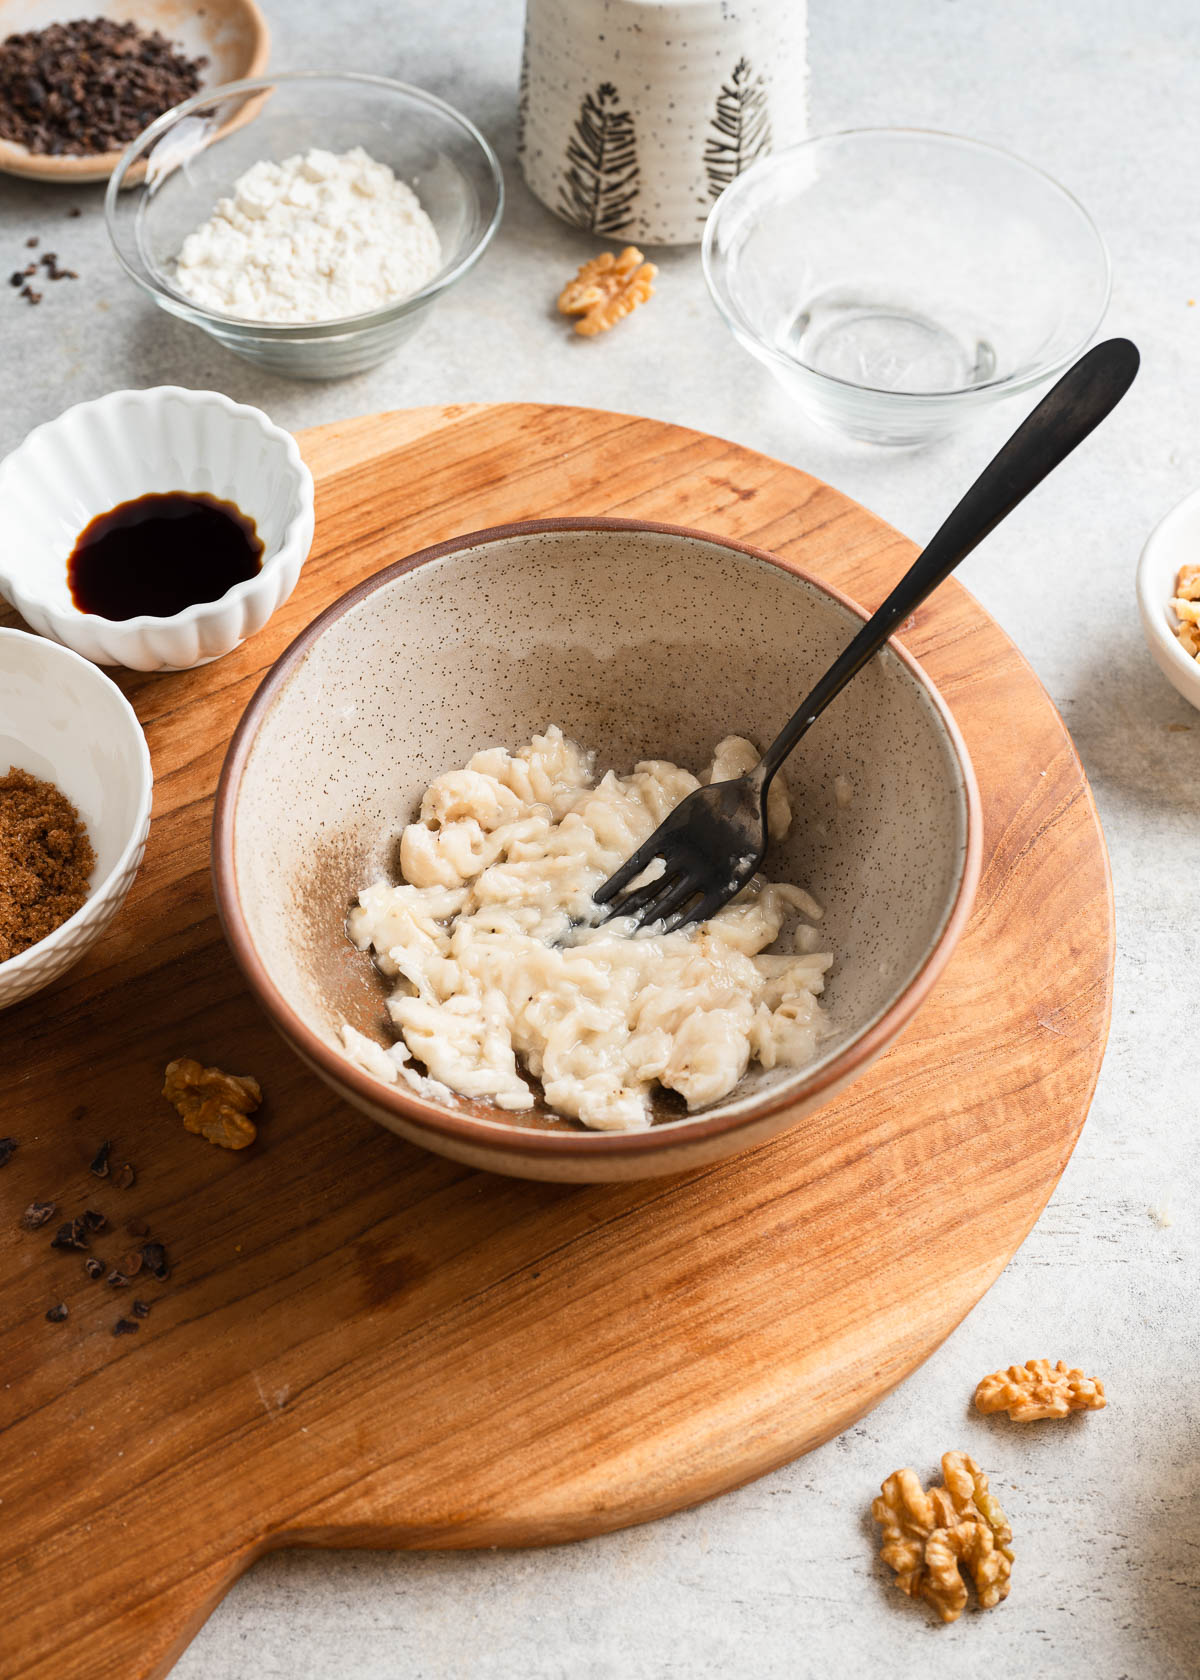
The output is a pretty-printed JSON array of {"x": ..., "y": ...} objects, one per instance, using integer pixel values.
[{"x": 75, "y": 791}]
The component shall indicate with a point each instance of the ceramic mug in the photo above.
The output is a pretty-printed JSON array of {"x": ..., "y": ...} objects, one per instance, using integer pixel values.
[{"x": 634, "y": 115}]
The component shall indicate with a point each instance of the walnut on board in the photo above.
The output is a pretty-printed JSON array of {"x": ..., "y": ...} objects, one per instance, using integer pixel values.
[{"x": 212, "y": 1103}]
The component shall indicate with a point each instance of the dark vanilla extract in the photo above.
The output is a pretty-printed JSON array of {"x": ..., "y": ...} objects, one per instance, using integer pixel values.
[{"x": 161, "y": 554}]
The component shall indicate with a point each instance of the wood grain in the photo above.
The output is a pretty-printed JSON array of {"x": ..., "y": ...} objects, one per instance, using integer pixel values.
[{"x": 365, "y": 1345}]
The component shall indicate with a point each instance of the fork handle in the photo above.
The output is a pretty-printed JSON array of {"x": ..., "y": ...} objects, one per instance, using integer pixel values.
[{"x": 1064, "y": 417}]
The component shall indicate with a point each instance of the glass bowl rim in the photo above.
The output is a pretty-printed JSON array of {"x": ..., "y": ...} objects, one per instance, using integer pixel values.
[
  {"x": 736, "y": 320},
  {"x": 286, "y": 331}
]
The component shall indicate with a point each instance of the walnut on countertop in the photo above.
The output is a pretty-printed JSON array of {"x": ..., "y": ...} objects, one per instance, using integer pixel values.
[
  {"x": 607, "y": 289},
  {"x": 1038, "y": 1389},
  {"x": 213, "y": 1103},
  {"x": 928, "y": 1537}
]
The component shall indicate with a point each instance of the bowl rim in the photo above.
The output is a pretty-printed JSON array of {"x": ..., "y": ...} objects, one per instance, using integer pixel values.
[
  {"x": 178, "y": 303},
  {"x": 1153, "y": 607},
  {"x": 13, "y": 581},
  {"x": 79, "y": 169},
  {"x": 515, "y": 1139},
  {"x": 141, "y": 817},
  {"x": 743, "y": 328}
]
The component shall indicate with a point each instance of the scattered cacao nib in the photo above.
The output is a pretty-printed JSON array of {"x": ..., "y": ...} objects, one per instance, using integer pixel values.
[
  {"x": 16, "y": 278},
  {"x": 71, "y": 1235},
  {"x": 124, "y": 1327},
  {"x": 125, "y": 1178},
  {"x": 49, "y": 261},
  {"x": 94, "y": 1221},
  {"x": 32, "y": 242},
  {"x": 28, "y": 292},
  {"x": 99, "y": 1166},
  {"x": 141, "y": 1309},
  {"x": 57, "y": 1314},
  {"x": 137, "y": 1227},
  {"x": 8, "y": 1148},
  {"x": 89, "y": 85},
  {"x": 30, "y": 268},
  {"x": 154, "y": 1258},
  {"x": 116, "y": 1279},
  {"x": 93, "y": 1267},
  {"x": 36, "y": 1215}
]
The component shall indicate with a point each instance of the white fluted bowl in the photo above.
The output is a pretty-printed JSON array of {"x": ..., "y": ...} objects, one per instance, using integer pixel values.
[
  {"x": 67, "y": 723},
  {"x": 134, "y": 443}
]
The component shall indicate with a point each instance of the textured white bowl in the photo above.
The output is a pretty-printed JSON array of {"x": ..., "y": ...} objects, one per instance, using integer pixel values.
[
  {"x": 1174, "y": 542},
  {"x": 66, "y": 722},
  {"x": 129, "y": 444}
]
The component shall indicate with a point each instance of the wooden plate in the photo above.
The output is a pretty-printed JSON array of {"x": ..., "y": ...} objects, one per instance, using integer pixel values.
[
  {"x": 364, "y": 1345},
  {"x": 231, "y": 34}
]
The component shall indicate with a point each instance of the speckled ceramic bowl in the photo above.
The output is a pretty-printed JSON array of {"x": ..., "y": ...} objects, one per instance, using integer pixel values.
[{"x": 639, "y": 640}]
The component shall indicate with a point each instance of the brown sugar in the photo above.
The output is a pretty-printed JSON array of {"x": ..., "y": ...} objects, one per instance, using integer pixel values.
[{"x": 46, "y": 860}]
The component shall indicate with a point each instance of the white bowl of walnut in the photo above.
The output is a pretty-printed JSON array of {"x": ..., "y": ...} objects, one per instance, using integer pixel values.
[{"x": 1168, "y": 589}]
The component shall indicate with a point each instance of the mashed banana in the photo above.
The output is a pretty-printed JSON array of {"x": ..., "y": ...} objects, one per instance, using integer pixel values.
[{"x": 499, "y": 867}]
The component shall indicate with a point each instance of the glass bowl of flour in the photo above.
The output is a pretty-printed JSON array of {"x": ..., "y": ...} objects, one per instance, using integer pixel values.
[{"x": 305, "y": 221}]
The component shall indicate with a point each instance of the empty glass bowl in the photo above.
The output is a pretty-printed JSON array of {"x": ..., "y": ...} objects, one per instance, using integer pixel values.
[
  {"x": 171, "y": 177},
  {"x": 895, "y": 279}
]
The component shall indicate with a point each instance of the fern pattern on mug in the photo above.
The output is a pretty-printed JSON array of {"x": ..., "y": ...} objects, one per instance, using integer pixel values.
[
  {"x": 634, "y": 115},
  {"x": 600, "y": 186},
  {"x": 523, "y": 102},
  {"x": 740, "y": 128}
]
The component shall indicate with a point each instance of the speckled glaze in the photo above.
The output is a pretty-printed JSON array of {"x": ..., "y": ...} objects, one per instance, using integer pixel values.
[
  {"x": 640, "y": 640},
  {"x": 634, "y": 114}
]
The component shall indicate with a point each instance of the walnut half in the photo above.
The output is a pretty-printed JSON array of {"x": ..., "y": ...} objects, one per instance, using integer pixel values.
[
  {"x": 1038, "y": 1389},
  {"x": 1186, "y": 607},
  {"x": 607, "y": 289},
  {"x": 929, "y": 1537},
  {"x": 213, "y": 1103}
]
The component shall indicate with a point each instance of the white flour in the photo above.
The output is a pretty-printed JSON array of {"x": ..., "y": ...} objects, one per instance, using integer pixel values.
[{"x": 316, "y": 237}]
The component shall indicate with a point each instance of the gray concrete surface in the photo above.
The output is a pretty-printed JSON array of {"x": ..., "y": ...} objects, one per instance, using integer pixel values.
[{"x": 781, "y": 1579}]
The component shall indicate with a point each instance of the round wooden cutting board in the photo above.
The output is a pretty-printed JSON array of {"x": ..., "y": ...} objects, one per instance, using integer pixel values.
[{"x": 364, "y": 1345}]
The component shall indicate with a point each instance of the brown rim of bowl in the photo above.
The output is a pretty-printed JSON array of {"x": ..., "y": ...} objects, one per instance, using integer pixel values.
[{"x": 522, "y": 1140}]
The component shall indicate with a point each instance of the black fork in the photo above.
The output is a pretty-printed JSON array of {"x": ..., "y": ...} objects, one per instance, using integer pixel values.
[{"x": 713, "y": 841}]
